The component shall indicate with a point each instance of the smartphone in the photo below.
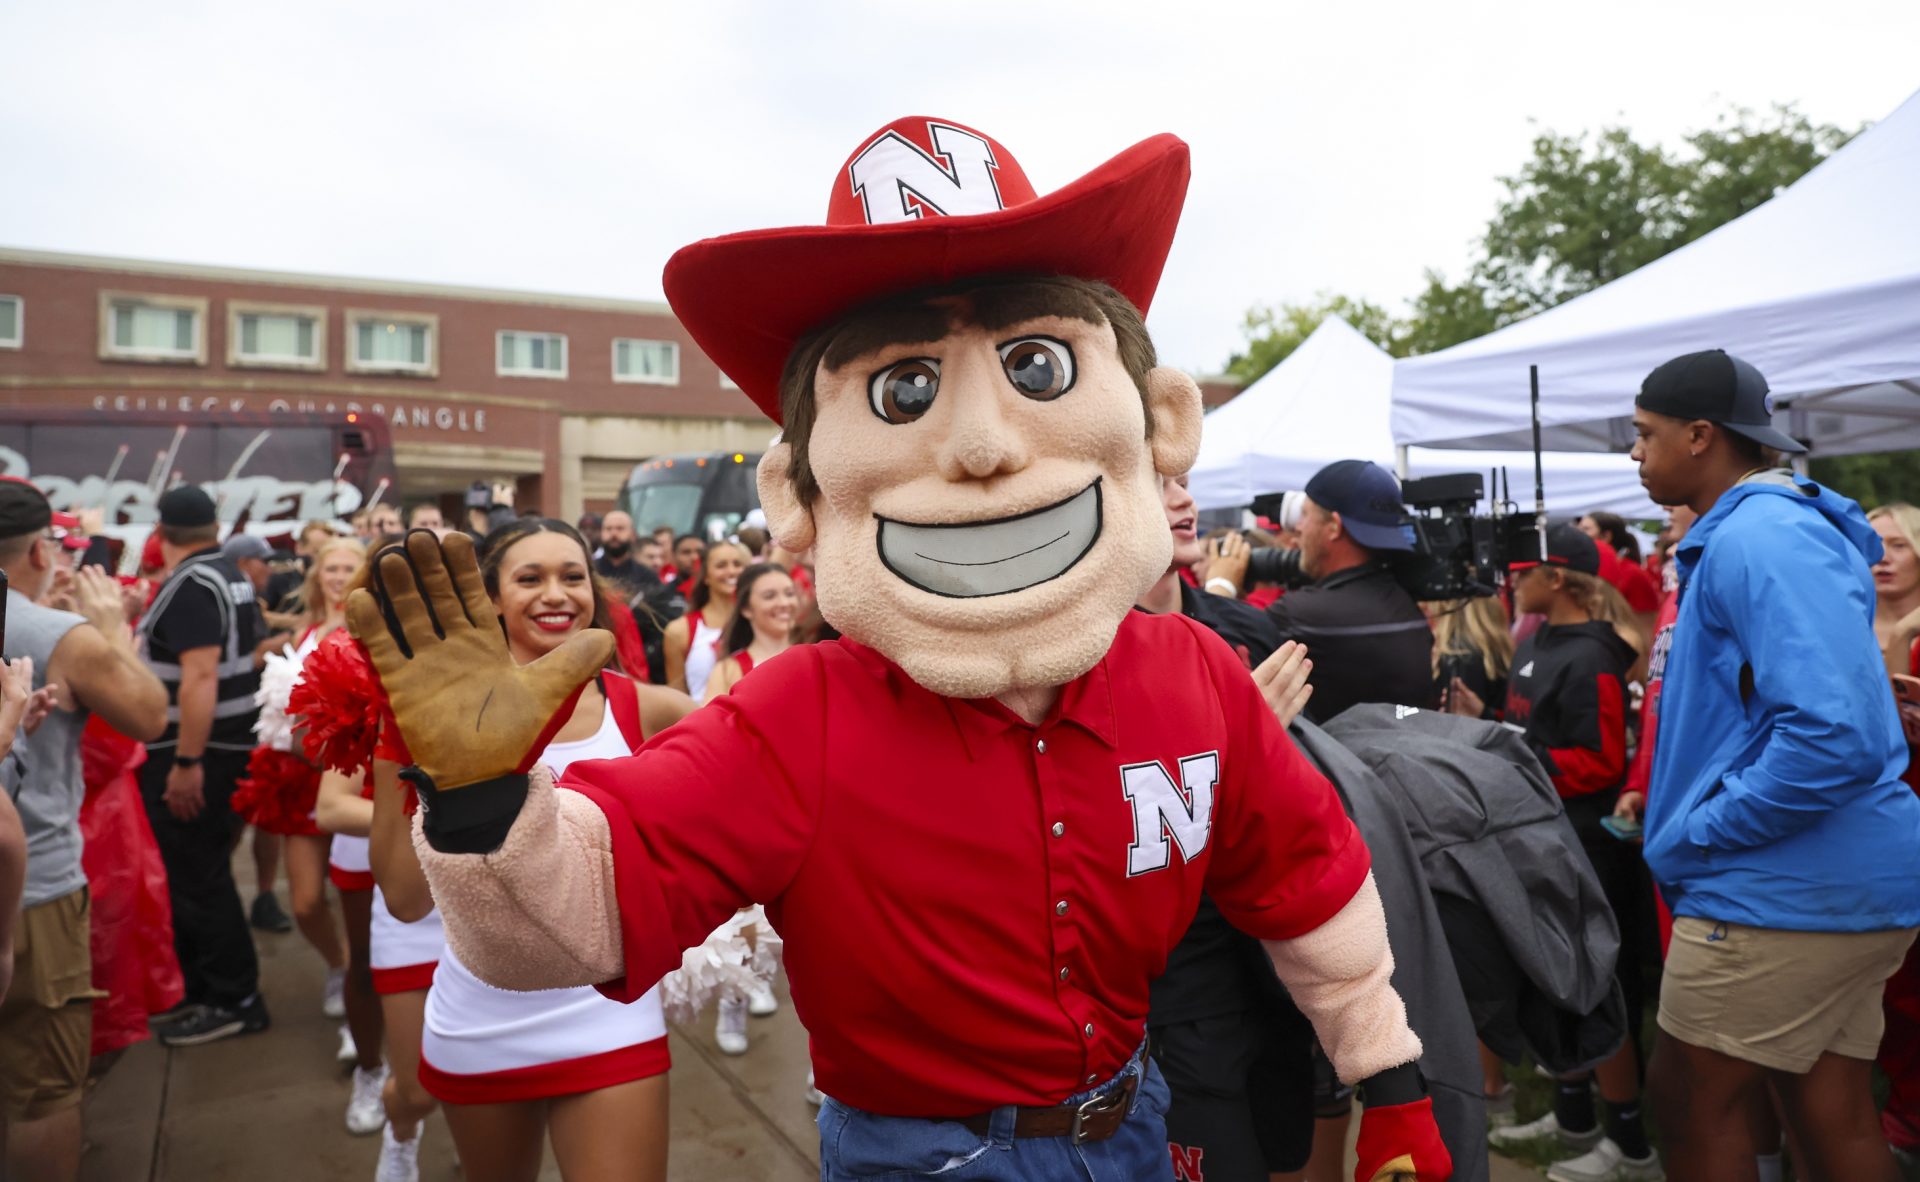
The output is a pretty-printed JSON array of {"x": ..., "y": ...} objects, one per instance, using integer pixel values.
[
  {"x": 1624, "y": 828},
  {"x": 1906, "y": 690}
]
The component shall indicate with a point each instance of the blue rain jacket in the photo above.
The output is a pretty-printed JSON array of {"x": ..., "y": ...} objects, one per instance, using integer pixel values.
[{"x": 1775, "y": 798}]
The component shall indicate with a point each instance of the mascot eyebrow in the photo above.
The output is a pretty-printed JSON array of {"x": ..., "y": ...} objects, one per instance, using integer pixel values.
[{"x": 930, "y": 314}]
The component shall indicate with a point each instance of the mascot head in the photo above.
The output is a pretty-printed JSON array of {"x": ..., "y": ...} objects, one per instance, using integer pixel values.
[{"x": 974, "y": 425}]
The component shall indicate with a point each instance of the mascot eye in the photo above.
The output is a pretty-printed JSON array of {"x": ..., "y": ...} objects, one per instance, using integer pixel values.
[
  {"x": 904, "y": 391},
  {"x": 1039, "y": 367}
]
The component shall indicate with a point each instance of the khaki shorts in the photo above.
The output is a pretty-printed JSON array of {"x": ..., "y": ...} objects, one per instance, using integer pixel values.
[
  {"x": 46, "y": 1022},
  {"x": 1777, "y": 998}
]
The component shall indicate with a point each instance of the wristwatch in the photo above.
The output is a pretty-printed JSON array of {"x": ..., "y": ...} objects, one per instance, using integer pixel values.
[{"x": 187, "y": 760}]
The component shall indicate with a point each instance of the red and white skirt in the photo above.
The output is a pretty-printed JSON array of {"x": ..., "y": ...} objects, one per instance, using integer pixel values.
[
  {"x": 483, "y": 1045},
  {"x": 403, "y": 955},
  {"x": 348, "y": 865}
]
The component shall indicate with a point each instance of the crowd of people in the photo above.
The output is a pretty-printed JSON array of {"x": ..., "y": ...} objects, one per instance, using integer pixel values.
[
  {"x": 150, "y": 725},
  {"x": 1771, "y": 934}
]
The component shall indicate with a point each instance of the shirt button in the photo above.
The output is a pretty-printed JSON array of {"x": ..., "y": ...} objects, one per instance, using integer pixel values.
[
  {"x": 1060, "y": 908},
  {"x": 1059, "y": 829},
  {"x": 1040, "y": 745},
  {"x": 1089, "y": 1030},
  {"x": 1063, "y": 973}
]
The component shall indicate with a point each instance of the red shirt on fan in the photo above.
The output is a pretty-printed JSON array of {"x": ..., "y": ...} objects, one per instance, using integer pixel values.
[{"x": 973, "y": 906}]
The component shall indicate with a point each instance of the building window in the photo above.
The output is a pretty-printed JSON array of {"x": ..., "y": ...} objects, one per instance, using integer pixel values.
[
  {"x": 276, "y": 336},
  {"x": 654, "y": 362},
  {"x": 393, "y": 342},
  {"x": 13, "y": 321},
  {"x": 153, "y": 328},
  {"x": 532, "y": 355}
]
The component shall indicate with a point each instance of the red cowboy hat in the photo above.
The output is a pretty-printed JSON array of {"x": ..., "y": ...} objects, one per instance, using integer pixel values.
[{"x": 922, "y": 202}]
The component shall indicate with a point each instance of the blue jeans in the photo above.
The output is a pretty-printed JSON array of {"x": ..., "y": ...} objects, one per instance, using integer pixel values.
[{"x": 859, "y": 1146}]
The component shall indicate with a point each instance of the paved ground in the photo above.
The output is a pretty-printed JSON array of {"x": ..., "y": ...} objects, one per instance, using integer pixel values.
[{"x": 270, "y": 1106}]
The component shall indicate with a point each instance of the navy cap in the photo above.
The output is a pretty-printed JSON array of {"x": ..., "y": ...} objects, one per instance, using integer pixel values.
[
  {"x": 1567, "y": 546},
  {"x": 1367, "y": 498},
  {"x": 1716, "y": 386},
  {"x": 186, "y": 505}
]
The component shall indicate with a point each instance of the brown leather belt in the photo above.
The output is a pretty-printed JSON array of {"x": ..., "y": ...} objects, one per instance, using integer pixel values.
[{"x": 1094, "y": 1119}]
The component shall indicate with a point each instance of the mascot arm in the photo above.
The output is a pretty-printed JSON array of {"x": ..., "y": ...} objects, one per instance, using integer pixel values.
[
  {"x": 537, "y": 910},
  {"x": 1340, "y": 975}
]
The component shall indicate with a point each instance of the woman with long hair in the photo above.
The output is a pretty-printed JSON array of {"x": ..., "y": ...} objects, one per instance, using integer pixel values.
[
  {"x": 1472, "y": 648},
  {"x": 761, "y": 627},
  {"x": 513, "y": 1070},
  {"x": 281, "y": 788},
  {"x": 692, "y": 641}
]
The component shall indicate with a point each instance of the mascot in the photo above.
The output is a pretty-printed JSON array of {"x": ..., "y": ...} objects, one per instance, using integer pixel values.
[{"x": 983, "y": 817}]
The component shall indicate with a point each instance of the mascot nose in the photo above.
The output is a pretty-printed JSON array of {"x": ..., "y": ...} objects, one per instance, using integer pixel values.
[{"x": 981, "y": 441}]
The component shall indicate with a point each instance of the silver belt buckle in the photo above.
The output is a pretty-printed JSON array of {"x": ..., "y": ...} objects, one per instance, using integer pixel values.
[{"x": 1094, "y": 1106}]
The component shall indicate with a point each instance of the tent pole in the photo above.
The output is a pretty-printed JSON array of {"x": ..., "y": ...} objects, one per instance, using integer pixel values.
[{"x": 1400, "y": 460}]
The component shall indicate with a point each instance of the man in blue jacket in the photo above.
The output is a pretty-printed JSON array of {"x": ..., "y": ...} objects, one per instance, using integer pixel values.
[{"x": 1777, "y": 825}]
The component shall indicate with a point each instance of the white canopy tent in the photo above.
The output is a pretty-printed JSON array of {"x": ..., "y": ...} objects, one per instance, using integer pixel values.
[
  {"x": 1329, "y": 401},
  {"x": 1819, "y": 288}
]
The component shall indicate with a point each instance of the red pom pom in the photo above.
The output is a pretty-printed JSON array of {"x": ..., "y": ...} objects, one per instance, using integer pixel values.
[
  {"x": 340, "y": 703},
  {"x": 278, "y": 792}
]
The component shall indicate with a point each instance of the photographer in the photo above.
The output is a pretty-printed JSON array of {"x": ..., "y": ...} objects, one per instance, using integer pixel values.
[{"x": 1368, "y": 638}]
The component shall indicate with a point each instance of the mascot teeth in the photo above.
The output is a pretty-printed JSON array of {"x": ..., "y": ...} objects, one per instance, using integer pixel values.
[{"x": 966, "y": 560}]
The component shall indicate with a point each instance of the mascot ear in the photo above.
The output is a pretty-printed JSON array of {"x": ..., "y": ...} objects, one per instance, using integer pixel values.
[
  {"x": 790, "y": 522},
  {"x": 1174, "y": 402}
]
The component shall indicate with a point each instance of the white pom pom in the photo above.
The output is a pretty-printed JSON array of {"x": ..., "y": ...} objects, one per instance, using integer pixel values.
[
  {"x": 277, "y": 678},
  {"x": 722, "y": 964}
]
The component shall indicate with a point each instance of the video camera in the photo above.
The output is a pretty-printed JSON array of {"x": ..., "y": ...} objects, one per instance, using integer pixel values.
[{"x": 1457, "y": 553}]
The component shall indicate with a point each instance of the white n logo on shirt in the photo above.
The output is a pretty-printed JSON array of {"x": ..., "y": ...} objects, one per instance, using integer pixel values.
[
  {"x": 1163, "y": 810},
  {"x": 897, "y": 180}
]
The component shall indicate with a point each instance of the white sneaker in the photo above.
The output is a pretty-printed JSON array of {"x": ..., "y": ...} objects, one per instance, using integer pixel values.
[
  {"x": 1538, "y": 1130},
  {"x": 399, "y": 1160},
  {"x": 333, "y": 1003},
  {"x": 761, "y": 1002},
  {"x": 348, "y": 1052},
  {"x": 366, "y": 1111},
  {"x": 1606, "y": 1163},
  {"x": 730, "y": 1030}
]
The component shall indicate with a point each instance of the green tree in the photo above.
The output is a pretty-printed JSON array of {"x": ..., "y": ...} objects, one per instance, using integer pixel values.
[
  {"x": 1874, "y": 479},
  {"x": 1274, "y": 332},
  {"x": 1583, "y": 210}
]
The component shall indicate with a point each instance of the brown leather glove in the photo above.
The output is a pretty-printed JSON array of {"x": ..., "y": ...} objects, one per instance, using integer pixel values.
[{"x": 468, "y": 713}]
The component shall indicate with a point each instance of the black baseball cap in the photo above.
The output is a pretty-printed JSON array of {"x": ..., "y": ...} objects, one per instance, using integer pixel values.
[
  {"x": 187, "y": 506},
  {"x": 23, "y": 508},
  {"x": 1716, "y": 386},
  {"x": 1567, "y": 547},
  {"x": 1367, "y": 498}
]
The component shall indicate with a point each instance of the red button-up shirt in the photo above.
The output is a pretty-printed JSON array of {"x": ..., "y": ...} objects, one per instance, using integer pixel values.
[{"x": 973, "y": 906}]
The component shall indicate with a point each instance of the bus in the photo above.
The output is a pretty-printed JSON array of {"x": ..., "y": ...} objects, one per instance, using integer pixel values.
[
  {"x": 708, "y": 495},
  {"x": 266, "y": 471}
]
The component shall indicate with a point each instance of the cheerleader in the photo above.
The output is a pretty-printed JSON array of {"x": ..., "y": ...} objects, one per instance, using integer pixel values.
[
  {"x": 692, "y": 642},
  {"x": 344, "y": 710},
  {"x": 760, "y": 628},
  {"x": 514, "y": 1069},
  {"x": 278, "y": 793}
]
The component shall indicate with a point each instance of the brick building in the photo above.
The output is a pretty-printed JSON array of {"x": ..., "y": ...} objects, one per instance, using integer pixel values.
[{"x": 560, "y": 395}]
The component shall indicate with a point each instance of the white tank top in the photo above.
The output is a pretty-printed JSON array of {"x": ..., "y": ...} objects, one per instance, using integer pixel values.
[
  {"x": 702, "y": 655},
  {"x": 472, "y": 1028}
]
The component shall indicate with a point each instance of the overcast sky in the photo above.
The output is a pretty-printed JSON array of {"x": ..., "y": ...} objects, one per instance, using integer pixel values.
[{"x": 571, "y": 147}]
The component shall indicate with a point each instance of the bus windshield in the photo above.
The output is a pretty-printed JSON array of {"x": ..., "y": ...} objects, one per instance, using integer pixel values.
[{"x": 705, "y": 495}]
